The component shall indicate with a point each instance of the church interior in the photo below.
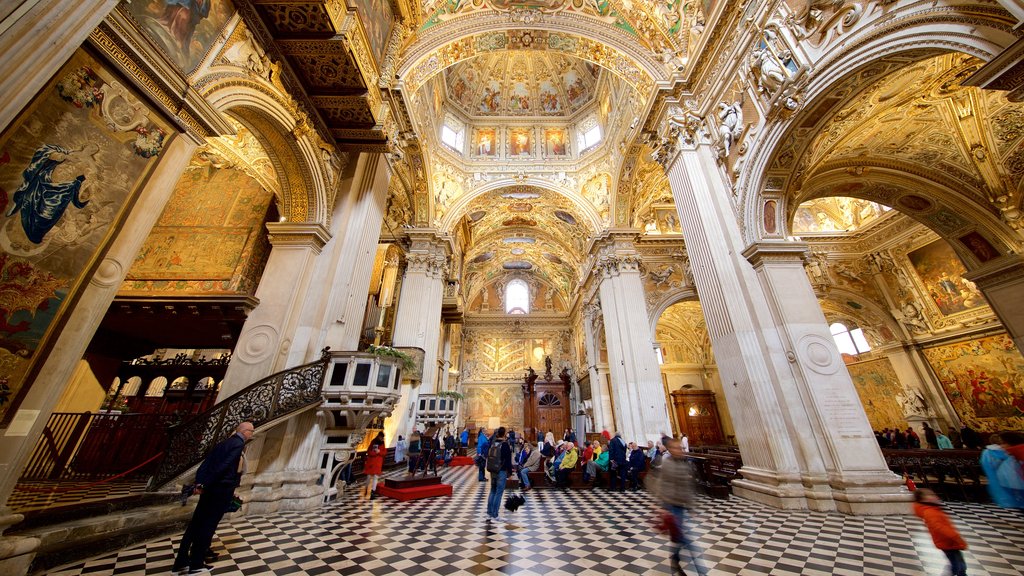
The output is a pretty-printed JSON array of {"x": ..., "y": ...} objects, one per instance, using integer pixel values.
[{"x": 779, "y": 228}]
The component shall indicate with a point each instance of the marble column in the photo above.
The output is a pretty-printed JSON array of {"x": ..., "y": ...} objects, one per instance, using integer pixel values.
[
  {"x": 37, "y": 38},
  {"x": 17, "y": 443},
  {"x": 266, "y": 337},
  {"x": 641, "y": 409},
  {"x": 1002, "y": 282},
  {"x": 599, "y": 400},
  {"x": 282, "y": 467},
  {"x": 767, "y": 349},
  {"x": 333, "y": 312},
  {"x": 418, "y": 320}
]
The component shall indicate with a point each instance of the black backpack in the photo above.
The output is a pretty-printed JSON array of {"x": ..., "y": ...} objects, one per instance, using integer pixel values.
[{"x": 494, "y": 457}]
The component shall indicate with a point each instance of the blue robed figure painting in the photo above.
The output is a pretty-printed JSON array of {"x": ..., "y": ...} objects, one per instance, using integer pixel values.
[{"x": 41, "y": 201}]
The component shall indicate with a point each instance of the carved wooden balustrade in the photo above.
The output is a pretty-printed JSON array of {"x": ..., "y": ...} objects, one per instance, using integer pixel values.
[{"x": 953, "y": 474}]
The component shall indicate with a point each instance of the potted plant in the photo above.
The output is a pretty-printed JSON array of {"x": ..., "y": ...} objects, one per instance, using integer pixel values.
[{"x": 405, "y": 361}]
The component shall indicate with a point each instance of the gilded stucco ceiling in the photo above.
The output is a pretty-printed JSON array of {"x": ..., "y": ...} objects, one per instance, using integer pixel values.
[
  {"x": 836, "y": 214},
  {"x": 525, "y": 229},
  {"x": 682, "y": 334},
  {"x": 521, "y": 84},
  {"x": 922, "y": 117}
]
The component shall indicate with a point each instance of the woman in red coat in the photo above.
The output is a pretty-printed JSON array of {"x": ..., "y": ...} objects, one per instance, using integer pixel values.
[{"x": 374, "y": 464}]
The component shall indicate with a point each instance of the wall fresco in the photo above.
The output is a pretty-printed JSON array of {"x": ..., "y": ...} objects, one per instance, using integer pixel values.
[
  {"x": 984, "y": 380},
  {"x": 377, "y": 20},
  {"x": 941, "y": 274},
  {"x": 184, "y": 29},
  {"x": 879, "y": 389},
  {"x": 501, "y": 401},
  {"x": 69, "y": 166},
  {"x": 205, "y": 241}
]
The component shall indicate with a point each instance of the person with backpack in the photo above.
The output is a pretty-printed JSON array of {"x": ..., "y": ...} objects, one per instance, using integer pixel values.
[
  {"x": 428, "y": 449},
  {"x": 499, "y": 465},
  {"x": 482, "y": 444}
]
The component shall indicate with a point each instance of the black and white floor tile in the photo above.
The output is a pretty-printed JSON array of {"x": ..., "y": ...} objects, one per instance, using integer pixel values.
[{"x": 577, "y": 532}]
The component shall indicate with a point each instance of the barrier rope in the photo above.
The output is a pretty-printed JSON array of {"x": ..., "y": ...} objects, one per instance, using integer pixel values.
[{"x": 69, "y": 487}]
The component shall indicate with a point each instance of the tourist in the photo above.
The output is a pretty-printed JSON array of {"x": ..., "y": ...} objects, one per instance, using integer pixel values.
[
  {"x": 636, "y": 461},
  {"x": 482, "y": 443},
  {"x": 954, "y": 437},
  {"x": 529, "y": 461},
  {"x": 900, "y": 438},
  {"x": 428, "y": 450},
  {"x": 374, "y": 464},
  {"x": 618, "y": 462},
  {"x": 929, "y": 436},
  {"x": 464, "y": 437},
  {"x": 511, "y": 436},
  {"x": 499, "y": 465},
  {"x": 415, "y": 449},
  {"x": 970, "y": 438},
  {"x": 943, "y": 441},
  {"x": 673, "y": 485},
  {"x": 928, "y": 507},
  {"x": 216, "y": 480},
  {"x": 913, "y": 440},
  {"x": 684, "y": 441},
  {"x": 550, "y": 438},
  {"x": 401, "y": 447},
  {"x": 570, "y": 456},
  {"x": 587, "y": 460},
  {"x": 1005, "y": 478}
]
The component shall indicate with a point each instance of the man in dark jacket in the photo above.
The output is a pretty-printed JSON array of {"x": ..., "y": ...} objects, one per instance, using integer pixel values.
[
  {"x": 498, "y": 477},
  {"x": 637, "y": 461},
  {"x": 617, "y": 461},
  {"x": 216, "y": 480}
]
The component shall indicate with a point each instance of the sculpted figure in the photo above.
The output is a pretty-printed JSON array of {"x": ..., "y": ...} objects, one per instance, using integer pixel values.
[
  {"x": 731, "y": 127},
  {"x": 770, "y": 74}
]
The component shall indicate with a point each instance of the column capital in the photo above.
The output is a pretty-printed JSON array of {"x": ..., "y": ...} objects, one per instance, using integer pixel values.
[
  {"x": 1003, "y": 270},
  {"x": 303, "y": 234},
  {"x": 760, "y": 253},
  {"x": 614, "y": 264}
]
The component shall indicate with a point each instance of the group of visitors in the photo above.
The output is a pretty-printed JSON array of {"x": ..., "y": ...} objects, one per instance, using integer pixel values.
[
  {"x": 424, "y": 449},
  {"x": 895, "y": 438}
]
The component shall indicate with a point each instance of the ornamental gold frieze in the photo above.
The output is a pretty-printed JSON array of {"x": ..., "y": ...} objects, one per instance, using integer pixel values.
[{"x": 296, "y": 19}]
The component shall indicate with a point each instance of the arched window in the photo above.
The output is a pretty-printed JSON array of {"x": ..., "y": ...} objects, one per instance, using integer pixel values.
[
  {"x": 517, "y": 297},
  {"x": 849, "y": 340}
]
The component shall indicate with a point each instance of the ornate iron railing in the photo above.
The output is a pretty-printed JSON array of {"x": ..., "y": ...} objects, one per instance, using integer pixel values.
[{"x": 266, "y": 401}]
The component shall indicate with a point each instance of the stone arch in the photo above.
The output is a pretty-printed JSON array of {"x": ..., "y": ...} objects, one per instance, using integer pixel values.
[
  {"x": 675, "y": 296},
  {"x": 297, "y": 157},
  {"x": 829, "y": 306},
  {"x": 907, "y": 35},
  {"x": 589, "y": 39},
  {"x": 938, "y": 207},
  {"x": 459, "y": 206}
]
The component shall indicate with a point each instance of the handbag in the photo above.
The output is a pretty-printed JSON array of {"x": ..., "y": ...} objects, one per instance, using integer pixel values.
[{"x": 234, "y": 505}]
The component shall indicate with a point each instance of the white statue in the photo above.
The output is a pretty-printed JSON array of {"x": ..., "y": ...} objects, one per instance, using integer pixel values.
[
  {"x": 731, "y": 116},
  {"x": 770, "y": 74}
]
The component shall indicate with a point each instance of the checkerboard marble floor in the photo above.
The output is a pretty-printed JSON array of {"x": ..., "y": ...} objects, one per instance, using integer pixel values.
[{"x": 577, "y": 532}]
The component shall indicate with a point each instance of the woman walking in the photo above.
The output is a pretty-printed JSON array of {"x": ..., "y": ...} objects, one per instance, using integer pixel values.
[{"x": 374, "y": 464}]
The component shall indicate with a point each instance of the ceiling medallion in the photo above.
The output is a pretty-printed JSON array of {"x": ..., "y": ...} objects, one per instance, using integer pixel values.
[
  {"x": 520, "y": 207},
  {"x": 519, "y": 221}
]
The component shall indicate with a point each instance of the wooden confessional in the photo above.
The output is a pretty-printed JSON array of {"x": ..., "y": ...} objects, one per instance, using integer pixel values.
[{"x": 546, "y": 403}]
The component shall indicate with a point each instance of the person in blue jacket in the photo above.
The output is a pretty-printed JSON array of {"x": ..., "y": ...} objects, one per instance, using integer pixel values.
[{"x": 482, "y": 443}]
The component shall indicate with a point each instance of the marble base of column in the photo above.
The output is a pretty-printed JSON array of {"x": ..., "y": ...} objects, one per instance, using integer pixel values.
[
  {"x": 284, "y": 490},
  {"x": 16, "y": 552}
]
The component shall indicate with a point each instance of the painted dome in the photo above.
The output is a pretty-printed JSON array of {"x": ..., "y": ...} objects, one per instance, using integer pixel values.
[{"x": 521, "y": 84}]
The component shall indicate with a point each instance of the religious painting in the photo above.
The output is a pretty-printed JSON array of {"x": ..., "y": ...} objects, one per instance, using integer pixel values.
[
  {"x": 598, "y": 191},
  {"x": 485, "y": 141},
  {"x": 667, "y": 220},
  {"x": 769, "y": 217},
  {"x": 550, "y": 103},
  {"x": 490, "y": 101},
  {"x": 941, "y": 273},
  {"x": 190, "y": 253},
  {"x": 500, "y": 403},
  {"x": 519, "y": 98},
  {"x": 575, "y": 88},
  {"x": 377, "y": 19},
  {"x": 979, "y": 246},
  {"x": 520, "y": 142},
  {"x": 879, "y": 389},
  {"x": 69, "y": 168},
  {"x": 984, "y": 381},
  {"x": 464, "y": 86},
  {"x": 184, "y": 29},
  {"x": 555, "y": 142}
]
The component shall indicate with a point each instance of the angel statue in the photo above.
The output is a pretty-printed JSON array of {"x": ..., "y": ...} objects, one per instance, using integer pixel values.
[
  {"x": 731, "y": 116},
  {"x": 770, "y": 75}
]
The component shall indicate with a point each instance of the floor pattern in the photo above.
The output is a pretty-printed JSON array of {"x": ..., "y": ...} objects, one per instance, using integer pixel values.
[{"x": 577, "y": 532}]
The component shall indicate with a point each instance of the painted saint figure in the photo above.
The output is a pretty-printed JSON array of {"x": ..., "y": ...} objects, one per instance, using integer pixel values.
[{"x": 41, "y": 201}]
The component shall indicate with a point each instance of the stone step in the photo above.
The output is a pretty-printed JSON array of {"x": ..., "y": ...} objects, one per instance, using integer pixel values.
[
  {"x": 69, "y": 536},
  {"x": 411, "y": 482}
]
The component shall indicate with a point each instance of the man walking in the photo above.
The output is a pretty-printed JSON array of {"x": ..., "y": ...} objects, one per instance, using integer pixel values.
[
  {"x": 216, "y": 480},
  {"x": 499, "y": 464},
  {"x": 673, "y": 485},
  {"x": 617, "y": 461}
]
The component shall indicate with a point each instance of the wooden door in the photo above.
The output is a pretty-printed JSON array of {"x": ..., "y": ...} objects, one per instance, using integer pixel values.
[{"x": 698, "y": 417}]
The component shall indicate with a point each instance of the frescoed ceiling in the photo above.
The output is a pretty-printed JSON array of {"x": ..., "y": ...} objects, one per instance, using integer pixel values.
[
  {"x": 923, "y": 118},
  {"x": 521, "y": 84},
  {"x": 836, "y": 214},
  {"x": 683, "y": 334},
  {"x": 525, "y": 229}
]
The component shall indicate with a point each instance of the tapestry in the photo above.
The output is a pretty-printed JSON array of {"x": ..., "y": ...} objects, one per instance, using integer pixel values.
[
  {"x": 501, "y": 401},
  {"x": 941, "y": 273},
  {"x": 184, "y": 29},
  {"x": 984, "y": 380},
  {"x": 69, "y": 166},
  {"x": 190, "y": 253},
  {"x": 879, "y": 387}
]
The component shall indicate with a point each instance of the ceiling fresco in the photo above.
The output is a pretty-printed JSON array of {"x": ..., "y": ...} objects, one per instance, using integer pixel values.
[
  {"x": 521, "y": 84},
  {"x": 921, "y": 115},
  {"x": 836, "y": 214},
  {"x": 523, "y": 228},
  {"x": 683, "y": 335}
]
